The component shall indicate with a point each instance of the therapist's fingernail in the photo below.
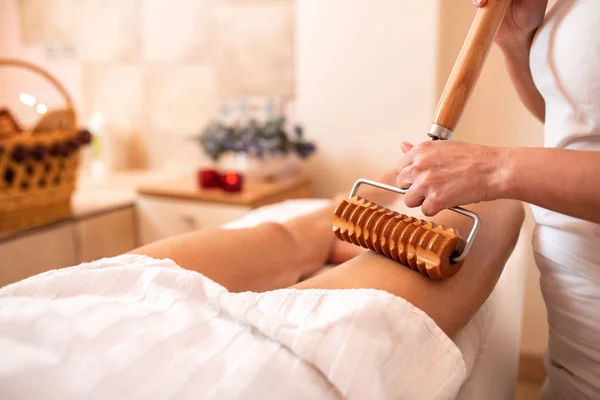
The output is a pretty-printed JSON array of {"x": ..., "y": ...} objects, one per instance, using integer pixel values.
[
  {"x": 405, "y": 146},
  {"x": 480, "y": 2}
]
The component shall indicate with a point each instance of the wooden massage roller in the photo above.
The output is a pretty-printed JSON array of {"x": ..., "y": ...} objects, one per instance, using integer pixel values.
[
  {"x": 433, "y": 250},
  {"x": 421, "y": 245}
]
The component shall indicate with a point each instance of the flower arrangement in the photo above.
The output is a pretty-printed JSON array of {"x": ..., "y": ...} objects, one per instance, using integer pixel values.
[{"x": 254, "y": 139}]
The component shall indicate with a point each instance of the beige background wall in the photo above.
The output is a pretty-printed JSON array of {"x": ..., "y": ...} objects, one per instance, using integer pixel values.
[{"x": 366, "y": 80}]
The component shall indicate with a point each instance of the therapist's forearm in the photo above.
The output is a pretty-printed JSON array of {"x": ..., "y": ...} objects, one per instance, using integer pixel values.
[
  {"x": 565, "y": 181},
  {"x": 516, "y": 56}
]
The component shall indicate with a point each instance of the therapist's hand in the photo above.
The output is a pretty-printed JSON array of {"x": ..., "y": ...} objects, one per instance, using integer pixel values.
[
  {"x": 443, "y": 174},
  {"x": 521, "y": 21}
]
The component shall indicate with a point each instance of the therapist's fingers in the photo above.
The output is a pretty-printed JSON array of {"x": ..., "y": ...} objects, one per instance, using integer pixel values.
[
  {"x": 405, "y": 177},
  {"x": 407, "y": 158},
  {"x": 415, "y": 196},
  {"x": 403, "y": 181},
  {"x": 406, "y": 146},
  {"x": 432, "y": 205}
]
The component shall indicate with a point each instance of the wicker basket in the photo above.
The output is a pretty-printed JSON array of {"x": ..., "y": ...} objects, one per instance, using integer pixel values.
[{"x": 38, "y": 167}]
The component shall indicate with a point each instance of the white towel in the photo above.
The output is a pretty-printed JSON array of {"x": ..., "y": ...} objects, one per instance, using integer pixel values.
[{"x": 134, "y": 327}]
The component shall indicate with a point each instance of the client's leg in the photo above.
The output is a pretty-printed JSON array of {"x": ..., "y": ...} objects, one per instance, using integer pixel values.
[
  {"x": 267, "y": 257},
  {"x": 450, "y": 303}
]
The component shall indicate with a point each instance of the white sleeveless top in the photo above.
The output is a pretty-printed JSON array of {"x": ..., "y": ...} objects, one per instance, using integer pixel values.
[{"x": 565, "y": 63}]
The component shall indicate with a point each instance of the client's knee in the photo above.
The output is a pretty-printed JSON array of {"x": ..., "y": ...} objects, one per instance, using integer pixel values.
[
  {"x": 285, "y": 243},
  {"x": 280, "y": 232}
]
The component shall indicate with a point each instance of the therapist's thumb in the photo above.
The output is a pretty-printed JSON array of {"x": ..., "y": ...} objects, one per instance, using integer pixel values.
[{"x": 405, "y": 146}]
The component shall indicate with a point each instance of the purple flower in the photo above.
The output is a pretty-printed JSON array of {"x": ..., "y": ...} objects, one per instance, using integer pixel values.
[
  {"x": 305, "y": 149},
  {"x": 255, "y": 138}
]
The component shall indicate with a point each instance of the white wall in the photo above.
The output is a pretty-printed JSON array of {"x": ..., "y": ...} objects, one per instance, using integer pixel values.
[{"x": 364, "y": 82}]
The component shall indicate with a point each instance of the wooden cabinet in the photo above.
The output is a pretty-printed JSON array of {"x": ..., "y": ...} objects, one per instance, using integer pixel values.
[
  {"x": 105, "y": 235},
  {"x": 33, "y": 253},
  {"x": 66, "y": 244},
  {"x": 159, "y": 218}
]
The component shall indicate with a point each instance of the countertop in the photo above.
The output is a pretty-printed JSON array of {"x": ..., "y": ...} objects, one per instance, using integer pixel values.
[{"x": 97, "y": 195}]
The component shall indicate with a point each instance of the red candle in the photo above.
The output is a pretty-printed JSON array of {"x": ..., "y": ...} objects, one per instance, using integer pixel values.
[
  {"x": 209, "y": 178},
  {"x": 232, "y": 182}
]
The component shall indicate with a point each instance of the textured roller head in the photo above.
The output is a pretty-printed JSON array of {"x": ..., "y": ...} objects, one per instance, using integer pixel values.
[{"x": 420, "y": 245}]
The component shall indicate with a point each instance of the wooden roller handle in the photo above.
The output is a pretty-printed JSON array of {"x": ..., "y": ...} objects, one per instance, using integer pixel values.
[{"x": 469, "y": 64}]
